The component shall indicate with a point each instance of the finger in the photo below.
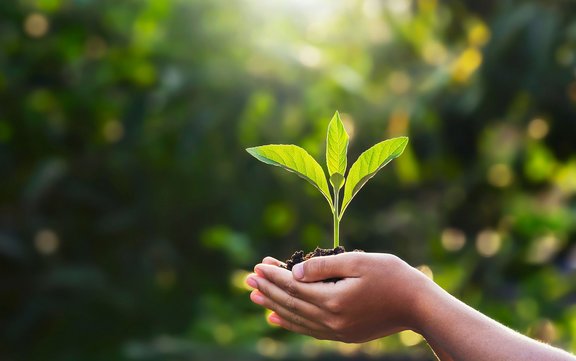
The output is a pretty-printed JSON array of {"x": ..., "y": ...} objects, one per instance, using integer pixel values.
[
  {"x": 290, "y": 326},
  {"x": 250, "y": 280},
  {"x": 315, "y": 293},
  {"x": 278, "y": 296},
  {"x": 344, "y": 265},
  {"x": 273, "y": 261},
  {"x": 262, "y": 269},
  {"x": 292, "y": 317}
]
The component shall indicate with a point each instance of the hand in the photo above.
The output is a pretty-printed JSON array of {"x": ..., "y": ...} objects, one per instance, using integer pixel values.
[
  {"x": 375, "y": 297},
  {"x": 379, "y": 294}
]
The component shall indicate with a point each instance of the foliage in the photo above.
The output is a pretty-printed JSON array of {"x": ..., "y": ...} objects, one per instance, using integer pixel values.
[
  {"x": 297, "y": 160},
  {"x": 129, "y": 212}
]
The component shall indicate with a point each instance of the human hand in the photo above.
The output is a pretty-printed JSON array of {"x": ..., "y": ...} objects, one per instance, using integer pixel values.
[{"x": 376, "y": 296}]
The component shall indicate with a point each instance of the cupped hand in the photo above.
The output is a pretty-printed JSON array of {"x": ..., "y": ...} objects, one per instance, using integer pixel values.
[{"x": 375, "y": 297}]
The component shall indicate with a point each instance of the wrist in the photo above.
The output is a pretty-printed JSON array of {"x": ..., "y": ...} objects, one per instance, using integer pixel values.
[{"x": 427, "y": 297}]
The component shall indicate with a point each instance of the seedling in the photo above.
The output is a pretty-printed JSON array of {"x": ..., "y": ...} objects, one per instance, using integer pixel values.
[{"x": 296, "y": 159}]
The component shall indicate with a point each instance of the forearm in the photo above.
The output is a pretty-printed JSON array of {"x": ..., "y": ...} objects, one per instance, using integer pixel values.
[{"x": 462, "y": 333}]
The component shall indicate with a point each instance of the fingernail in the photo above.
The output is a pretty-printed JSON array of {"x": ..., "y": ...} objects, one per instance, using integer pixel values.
[
  {"x": 257, "y": 298},
  {"x": 298, "y": 271},
  {"x": 251, "y": 281},
  {"x": 273, "y": 318}
]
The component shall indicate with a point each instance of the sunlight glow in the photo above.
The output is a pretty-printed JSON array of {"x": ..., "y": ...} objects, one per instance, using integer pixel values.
[
  {"x": 310, "y": 56},
  {"x": 318, "y": 10},
  {"x": 399, "y": 7}
]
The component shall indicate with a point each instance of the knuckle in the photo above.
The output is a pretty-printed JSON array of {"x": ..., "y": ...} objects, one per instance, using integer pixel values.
[
  {"x": 334, "y": 306},
  {"x": 290, "y": 303},
  {"x": 291, "y": 288},
  {"x": 264, "y": 288},
  {"x": 322, "y": 265},
  {"x": 362, "y": 261},
  {"x": 394, "y": 261},
  {"x": 296, "y": 320},
  {"x": 318, "y": 266},
  {"x": 357, "y": 263}
]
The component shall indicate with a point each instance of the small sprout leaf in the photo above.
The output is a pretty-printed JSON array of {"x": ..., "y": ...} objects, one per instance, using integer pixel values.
[
  {"x": 297, "y": 160},
  {"x": 336, "y": 149},
  {"x": 368, "y": 164},
  {"x": 294, "y": 159},
  {"x": 337, "y": 181}
]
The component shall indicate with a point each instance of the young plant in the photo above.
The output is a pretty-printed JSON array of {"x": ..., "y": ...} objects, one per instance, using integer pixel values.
[{"x": 297, "y": 160}]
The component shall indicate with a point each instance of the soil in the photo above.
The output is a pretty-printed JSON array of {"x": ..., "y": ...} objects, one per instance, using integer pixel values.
[{"x": 299, "y": 257}]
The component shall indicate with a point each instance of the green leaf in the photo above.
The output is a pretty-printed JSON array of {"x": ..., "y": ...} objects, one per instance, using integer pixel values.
[
  {"x": 336, "y": 150},
  {"x": 368, "y": 164},
  {"x": 337, "y": 180},
  {"x": 294, "y": 159}
]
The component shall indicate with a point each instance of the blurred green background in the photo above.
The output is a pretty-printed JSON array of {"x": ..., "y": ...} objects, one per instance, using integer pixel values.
[{"x": 130, "y": 212}]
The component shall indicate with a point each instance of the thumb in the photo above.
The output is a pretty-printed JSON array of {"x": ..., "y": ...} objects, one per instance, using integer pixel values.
[{"x": 316, "y": 269}]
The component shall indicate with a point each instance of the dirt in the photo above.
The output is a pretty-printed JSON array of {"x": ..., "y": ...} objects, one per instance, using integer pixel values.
[{"x": 299, "y": 257}]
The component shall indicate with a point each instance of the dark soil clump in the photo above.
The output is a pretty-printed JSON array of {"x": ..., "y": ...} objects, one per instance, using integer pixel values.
[{"x": 299, "y": 257}]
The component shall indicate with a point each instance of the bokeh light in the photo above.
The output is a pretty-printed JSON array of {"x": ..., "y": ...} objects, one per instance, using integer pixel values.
[
  {"x": 113, "y": 131},
  {"x": 36, "y": 25},
  {"x": 46, "y": 242},
  {"x": 426, "y": 270},
  {"x": 500, "y": 175},
  {"x": 488, "y": 243},
  {"x": 543, "y": 249},
  {"x": 453, "y": 239},
  {"x": 538, "y": 128}
]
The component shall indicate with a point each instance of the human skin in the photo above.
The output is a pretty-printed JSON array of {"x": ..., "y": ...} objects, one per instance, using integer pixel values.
[{"x": 379, "y": 295}]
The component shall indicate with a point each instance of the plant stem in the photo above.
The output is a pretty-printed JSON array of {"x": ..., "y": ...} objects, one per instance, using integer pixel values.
[{"x": 336, "y": 219}]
